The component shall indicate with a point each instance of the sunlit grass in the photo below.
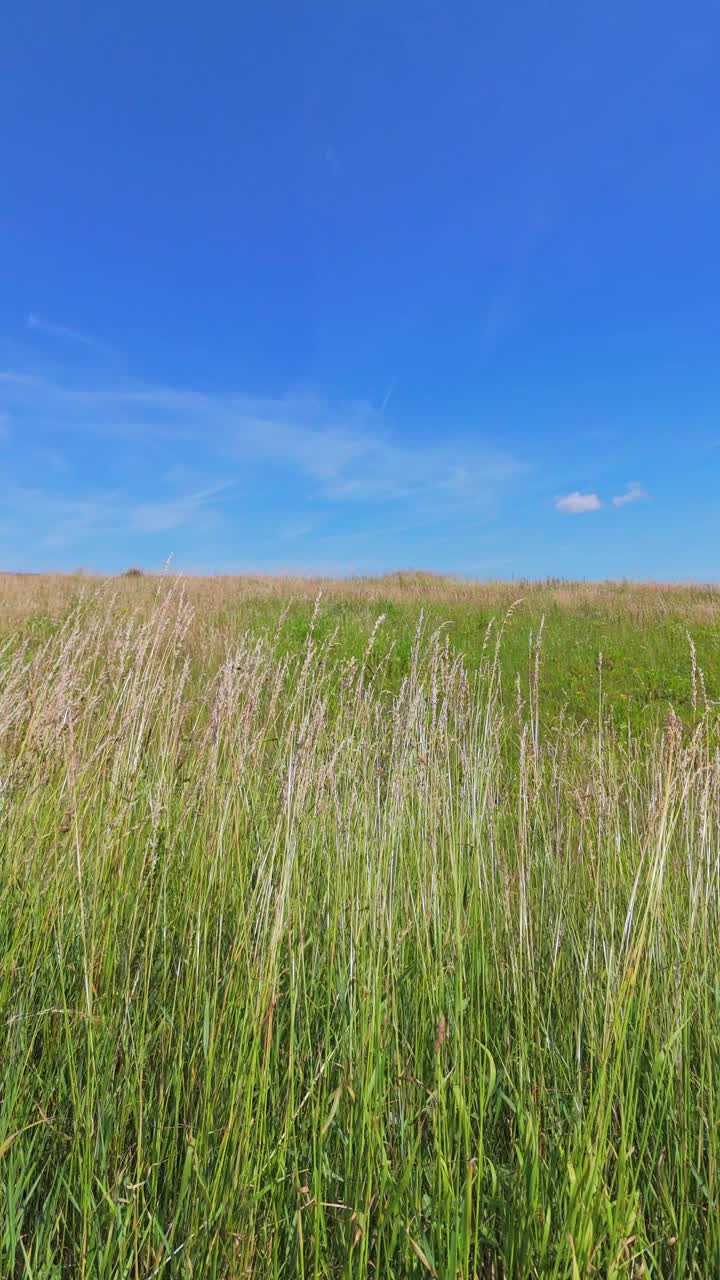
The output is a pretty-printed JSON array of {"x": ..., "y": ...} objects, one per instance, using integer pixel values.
[{"x": 309, "y": 971}]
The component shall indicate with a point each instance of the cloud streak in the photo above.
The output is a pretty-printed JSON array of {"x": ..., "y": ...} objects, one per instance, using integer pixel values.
[{"x": 65, "y": 332}]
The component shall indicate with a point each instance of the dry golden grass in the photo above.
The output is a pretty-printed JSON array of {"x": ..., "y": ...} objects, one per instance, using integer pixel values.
[{"x": 50, "y": 595}]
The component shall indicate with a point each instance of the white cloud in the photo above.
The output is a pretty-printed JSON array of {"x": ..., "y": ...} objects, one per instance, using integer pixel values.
[
  {"x": 576, "y": 504},
  {"x": 634, "y": 492}
]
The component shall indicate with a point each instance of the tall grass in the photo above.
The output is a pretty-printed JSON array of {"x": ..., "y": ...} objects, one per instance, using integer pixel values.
[{"x": 302, "y": 979}]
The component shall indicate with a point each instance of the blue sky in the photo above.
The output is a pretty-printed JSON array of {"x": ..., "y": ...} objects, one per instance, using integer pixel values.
[{"x": 360, "y": 287}]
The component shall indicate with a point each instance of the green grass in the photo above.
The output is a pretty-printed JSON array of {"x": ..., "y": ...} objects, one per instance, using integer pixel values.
[
  {"x": 325, "y": 955},
  {"x": 643, "y": 666}
]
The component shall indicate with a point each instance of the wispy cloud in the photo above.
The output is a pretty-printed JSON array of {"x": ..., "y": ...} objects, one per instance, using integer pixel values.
[
  {"x": 577, "y": 504},
  {"x": 505, "y": 303},
  {"x": 388, "y": 393},
  {"x": 58, "y": 520},
  {"x": 65, "y": 332},
  {"x": 343, "y": 453},
  {"x": 160, "y": 517},
  {"x": 295, "y": 532},
  {"x": 152, "y": 467},
  {"x": 634, "y": 492}
]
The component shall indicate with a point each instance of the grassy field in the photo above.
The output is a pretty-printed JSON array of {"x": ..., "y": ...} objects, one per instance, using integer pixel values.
[{"x": 333, "y": 946}]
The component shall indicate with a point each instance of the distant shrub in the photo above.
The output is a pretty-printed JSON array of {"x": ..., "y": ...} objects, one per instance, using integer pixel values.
[{"x": 133, "y": 572}]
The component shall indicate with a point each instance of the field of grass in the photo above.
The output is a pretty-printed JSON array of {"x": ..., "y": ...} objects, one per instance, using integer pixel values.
[{"x": 333, "y": 946}]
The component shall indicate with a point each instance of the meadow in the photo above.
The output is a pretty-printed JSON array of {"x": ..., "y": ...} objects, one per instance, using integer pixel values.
[{"x": 359, "y": 929}]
